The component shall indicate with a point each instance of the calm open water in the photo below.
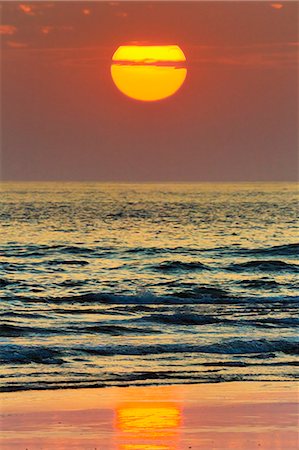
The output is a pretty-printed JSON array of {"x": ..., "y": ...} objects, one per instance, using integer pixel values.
[{"x": 119, "y": 284}]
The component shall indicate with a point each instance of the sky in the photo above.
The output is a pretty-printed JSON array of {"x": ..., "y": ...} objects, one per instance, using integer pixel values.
[{"x": 234, "y": 119}]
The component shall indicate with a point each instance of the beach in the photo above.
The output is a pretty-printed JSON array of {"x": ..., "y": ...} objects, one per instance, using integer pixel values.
[{"x": 235, "y": 415}]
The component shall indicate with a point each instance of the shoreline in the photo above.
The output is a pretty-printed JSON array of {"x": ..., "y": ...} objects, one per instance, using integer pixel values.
[
  {"x": 223, "y": 415},
  {"x": 140, "y": 385}
]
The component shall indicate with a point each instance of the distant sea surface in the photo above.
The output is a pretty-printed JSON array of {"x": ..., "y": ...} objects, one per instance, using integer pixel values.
[{"x": 128, "y": 284}]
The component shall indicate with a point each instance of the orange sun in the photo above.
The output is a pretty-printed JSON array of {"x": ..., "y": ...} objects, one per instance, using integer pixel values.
[{"x": 148, "y": 72}]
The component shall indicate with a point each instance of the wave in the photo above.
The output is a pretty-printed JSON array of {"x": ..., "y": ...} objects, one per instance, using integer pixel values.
[
  {"x": 277, "y": 250},
  {"x": 9, "y": 330},
  {"x": 174, "y": 266},
  {"x": 255, "y": 346},
  {"x": 140, "y": 325},
  {"x": 5, "y": 282},
  {"x": 152, "y": 251},
  {"x": 117, "y": 299},
  {"x": 279, "y": 322},
  {"x": 72, "y": 283},
  {"x": 157, "y": 250},
  {"x": 114, "y": 329},
  {"x": 78, "y": 250},
  {"x": 260, "y": 283},
  {"x": 22, "y": 314},
  {"x": 137, "y": 300},
  {"x": 43, "y": 250},
  {"x": 264, "y": 266},
  {"x": 17, "y": 354},
  {"x": 21, "y": 354},
  {"x": 77, "y": 311},
  {"x": 182, "y": 319},
  {"x": 201, "y": 291},
  {"x": 77, "y": 262},
  {"x": 187, "y": 298},
  {"x": 185, "y": 319},
  {"x": 231, "y": 347},
  {"x": 32, "y": 250}
]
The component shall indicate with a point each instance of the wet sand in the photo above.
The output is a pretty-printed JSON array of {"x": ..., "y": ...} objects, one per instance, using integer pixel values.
[{"x": 236, "y": 415}]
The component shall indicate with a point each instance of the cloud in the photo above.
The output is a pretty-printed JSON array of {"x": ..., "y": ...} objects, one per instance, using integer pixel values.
[
  {"x": 7, "y": 29},
  {"x": 86, "y": 11},
  {"x": 33, "y": 9},
  {"x": 47, "y": 29},
  {"x": 27, "y": 9},
  {"x": 276, "y": 5},
  {"x": 122, "y": 14},
  {"x": 254, "y": 56},
  {"x": 16, "y": 44}
]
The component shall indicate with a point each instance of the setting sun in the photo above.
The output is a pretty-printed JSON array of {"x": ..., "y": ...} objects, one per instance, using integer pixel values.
[{"x": 148, "y": 72}]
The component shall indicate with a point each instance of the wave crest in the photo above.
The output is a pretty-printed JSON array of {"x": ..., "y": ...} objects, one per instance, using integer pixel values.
[{"x": 264, "y": 266}]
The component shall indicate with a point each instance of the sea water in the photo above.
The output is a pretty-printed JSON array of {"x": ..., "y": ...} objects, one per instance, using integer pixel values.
[{"x": 129, "y": 284}]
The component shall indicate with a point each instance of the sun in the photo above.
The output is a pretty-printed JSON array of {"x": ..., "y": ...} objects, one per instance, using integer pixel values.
[{"x": 148, "y": 72}]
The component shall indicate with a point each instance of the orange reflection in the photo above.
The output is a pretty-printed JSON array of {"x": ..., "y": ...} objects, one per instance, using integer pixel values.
[
  {"x": 145, "y": 447},
  {"x": 148, "y": 426},
  {"x": 148, "y": 73},
  {"x": 158, "y": 419}
]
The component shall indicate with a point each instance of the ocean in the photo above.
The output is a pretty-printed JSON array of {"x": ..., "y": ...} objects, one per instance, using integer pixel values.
[{"x": 139, "y": 284}]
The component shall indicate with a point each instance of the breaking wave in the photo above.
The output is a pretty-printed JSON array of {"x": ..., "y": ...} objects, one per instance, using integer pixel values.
[
  {"x": 173, "y": 266},
  {"x": 229, "y": 347}
]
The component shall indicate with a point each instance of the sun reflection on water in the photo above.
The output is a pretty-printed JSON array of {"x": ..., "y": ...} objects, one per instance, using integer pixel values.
[
  {"x": 146, "y": 447},
  {"x": 148, "y": 426}
]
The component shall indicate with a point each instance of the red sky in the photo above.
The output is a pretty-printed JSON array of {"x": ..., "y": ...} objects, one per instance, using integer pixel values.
[{"x": 235, "y": 118}]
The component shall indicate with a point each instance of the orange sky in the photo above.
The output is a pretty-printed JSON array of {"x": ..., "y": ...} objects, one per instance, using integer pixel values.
[{"x": 235, "y": 118}]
